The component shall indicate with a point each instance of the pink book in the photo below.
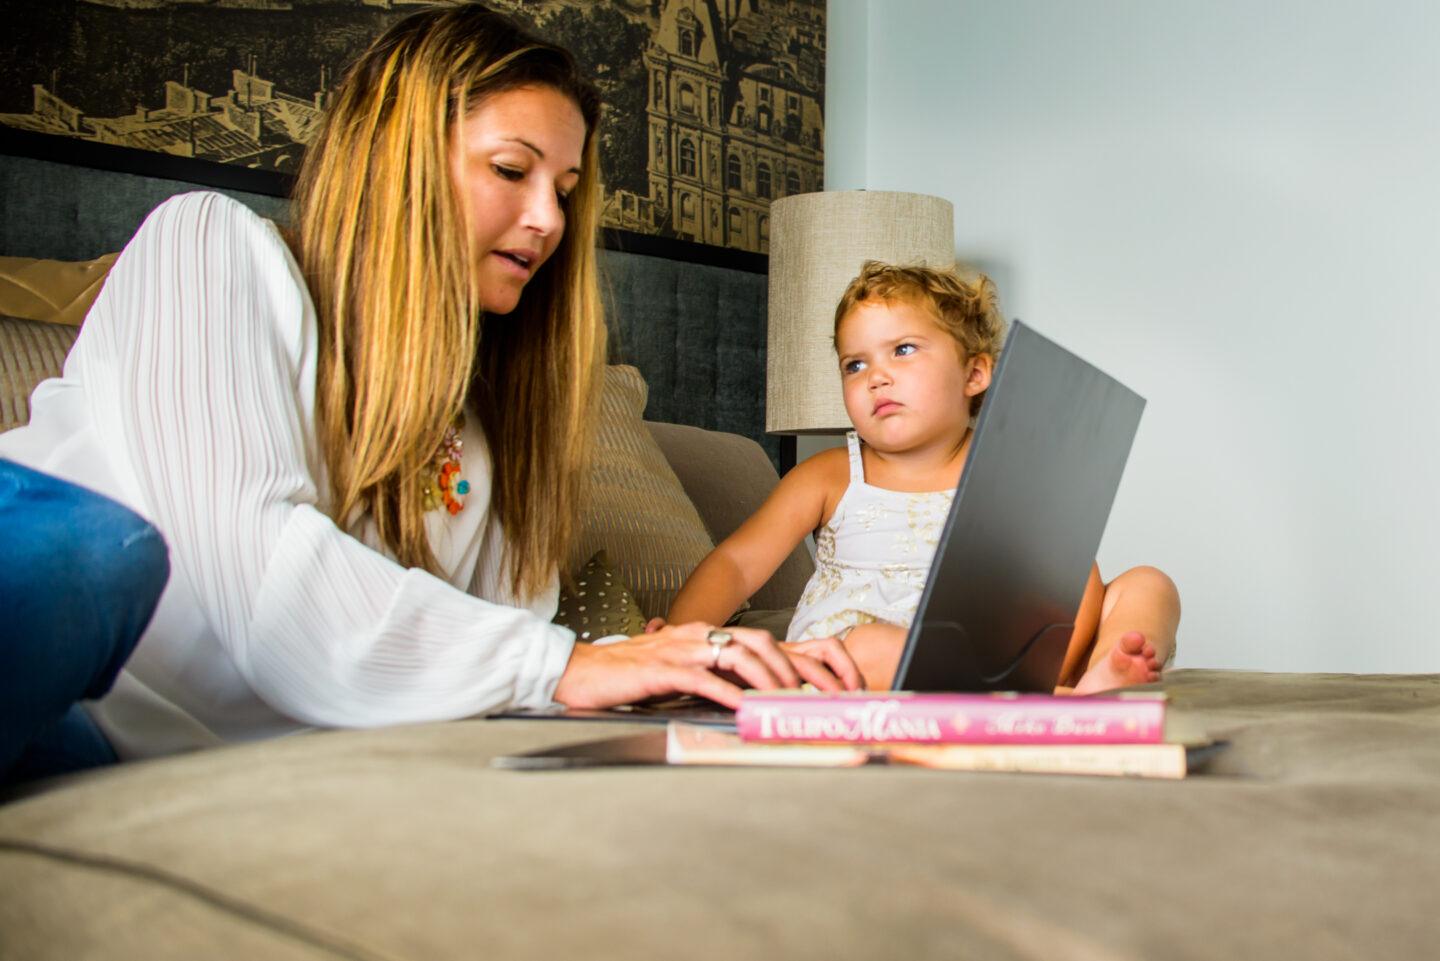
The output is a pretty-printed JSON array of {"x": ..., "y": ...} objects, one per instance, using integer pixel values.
[{"x": 899, "y": 717}]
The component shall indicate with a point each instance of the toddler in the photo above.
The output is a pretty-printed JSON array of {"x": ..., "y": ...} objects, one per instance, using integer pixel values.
[{"x": 916, "y": 349}]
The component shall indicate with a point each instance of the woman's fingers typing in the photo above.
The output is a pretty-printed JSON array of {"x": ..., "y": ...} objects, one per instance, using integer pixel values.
[
  {"x": 715, "y": 663},
  {"x": 757, "y": 651}
]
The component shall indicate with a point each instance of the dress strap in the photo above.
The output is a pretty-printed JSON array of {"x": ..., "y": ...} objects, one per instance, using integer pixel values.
[{"x": 857, "y": 466}]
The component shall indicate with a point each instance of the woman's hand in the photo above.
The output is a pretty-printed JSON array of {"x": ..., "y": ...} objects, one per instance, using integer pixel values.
[{"x": 682, "y": 660}]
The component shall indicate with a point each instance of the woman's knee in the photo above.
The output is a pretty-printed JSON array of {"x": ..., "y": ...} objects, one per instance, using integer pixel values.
[
  {"x": 120, "y": 557},
  {"x": 79, "y": 556}
]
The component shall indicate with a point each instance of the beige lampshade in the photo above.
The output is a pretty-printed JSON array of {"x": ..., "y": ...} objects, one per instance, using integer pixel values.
[{"x": 817, "y": 243}]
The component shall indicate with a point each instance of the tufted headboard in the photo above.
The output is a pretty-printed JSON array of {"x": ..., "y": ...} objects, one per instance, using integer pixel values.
[{"x": 696, "y": 332}]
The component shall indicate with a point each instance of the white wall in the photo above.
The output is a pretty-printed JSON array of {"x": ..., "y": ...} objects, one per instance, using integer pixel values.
[{"x": 1235, "y": 208}]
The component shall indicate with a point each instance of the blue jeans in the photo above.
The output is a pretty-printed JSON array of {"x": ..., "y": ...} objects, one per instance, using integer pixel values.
[{"x": 80, "y": 576}]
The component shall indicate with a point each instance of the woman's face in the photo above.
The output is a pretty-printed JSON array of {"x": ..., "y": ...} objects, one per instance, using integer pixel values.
[{"x": 515, "y": 159}]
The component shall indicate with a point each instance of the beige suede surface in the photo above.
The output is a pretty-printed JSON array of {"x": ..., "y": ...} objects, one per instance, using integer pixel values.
[
  {"x": 52, "y": 291},
  {"x": 1316, "y": 836}
]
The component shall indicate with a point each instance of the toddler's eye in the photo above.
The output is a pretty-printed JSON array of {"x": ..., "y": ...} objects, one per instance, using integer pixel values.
[
  {"x": 904, "y": 349},
  {"x": 507, "y": 173},
  {"x": 852, "y": 366}
]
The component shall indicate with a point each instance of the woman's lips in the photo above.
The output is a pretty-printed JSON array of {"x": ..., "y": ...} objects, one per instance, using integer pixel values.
[{"x": 512, "y": 263}]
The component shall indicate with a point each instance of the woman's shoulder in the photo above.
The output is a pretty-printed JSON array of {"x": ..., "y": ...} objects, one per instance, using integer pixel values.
[
  {"x": 216, "y": 236},
  {"x": 207, "y": 225},
  {"x": 204, "y": 252},
  {"x": 207, "y": 209}
]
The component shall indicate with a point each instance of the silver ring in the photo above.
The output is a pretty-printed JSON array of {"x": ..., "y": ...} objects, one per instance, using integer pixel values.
[{"x": 717, "y": 640}]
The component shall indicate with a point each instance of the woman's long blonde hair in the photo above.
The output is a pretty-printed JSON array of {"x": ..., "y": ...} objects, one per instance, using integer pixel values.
[{"x": 403, "y": 340}]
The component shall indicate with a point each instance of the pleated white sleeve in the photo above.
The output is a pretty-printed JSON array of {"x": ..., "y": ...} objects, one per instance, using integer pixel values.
[{"x": 199, "y": 362}]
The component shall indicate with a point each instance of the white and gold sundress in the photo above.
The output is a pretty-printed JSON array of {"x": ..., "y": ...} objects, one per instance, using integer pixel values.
[{"x": 871, "y": 557}]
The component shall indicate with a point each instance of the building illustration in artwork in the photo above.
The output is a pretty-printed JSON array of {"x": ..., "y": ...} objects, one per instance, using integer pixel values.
[
  {"x": 729, "y": 120},
  {"x": 728, "y": 134},
  {"x": 252, "y": 124}
]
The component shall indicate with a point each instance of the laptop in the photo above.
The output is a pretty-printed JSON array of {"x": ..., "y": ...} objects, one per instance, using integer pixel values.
[
  {"x": 1015, "y": 553},
  {"x": 999, "y": 605}
]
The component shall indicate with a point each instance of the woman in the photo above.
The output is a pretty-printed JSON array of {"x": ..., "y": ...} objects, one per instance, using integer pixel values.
[{"x": 366, "y": 456}]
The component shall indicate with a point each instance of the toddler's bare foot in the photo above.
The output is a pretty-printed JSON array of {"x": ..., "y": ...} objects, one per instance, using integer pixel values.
[{"x": 1131, "y": 661}]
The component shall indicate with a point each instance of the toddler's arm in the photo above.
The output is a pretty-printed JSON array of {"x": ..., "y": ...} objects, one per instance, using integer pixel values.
[{"x": 745, "y": 560}]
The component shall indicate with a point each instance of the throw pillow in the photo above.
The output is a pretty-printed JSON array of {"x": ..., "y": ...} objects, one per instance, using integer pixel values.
[
  {"x": 30, "y": 351},
  {"x": 55, "y": 291},
  {"x": 599, "y": 604},
  {"x": 635, "y": 508}
]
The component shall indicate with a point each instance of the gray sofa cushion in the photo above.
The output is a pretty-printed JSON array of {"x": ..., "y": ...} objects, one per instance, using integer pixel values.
[{"x": 728, "y": 477}]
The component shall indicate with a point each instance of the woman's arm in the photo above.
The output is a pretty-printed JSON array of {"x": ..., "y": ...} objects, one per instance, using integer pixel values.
[
  {"x": 199, "y": 359},
  {"x": 745, "y": 560}
]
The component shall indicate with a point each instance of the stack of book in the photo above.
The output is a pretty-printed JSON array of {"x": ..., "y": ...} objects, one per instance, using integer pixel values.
[{"x": 1121, "y": 734}]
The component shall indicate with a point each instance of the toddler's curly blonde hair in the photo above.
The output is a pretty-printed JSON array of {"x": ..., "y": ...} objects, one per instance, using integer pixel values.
[{"x": 967, "y": 311}]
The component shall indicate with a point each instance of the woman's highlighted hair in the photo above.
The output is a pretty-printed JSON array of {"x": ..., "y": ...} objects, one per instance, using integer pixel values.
[{"x": 403, "y": 340}]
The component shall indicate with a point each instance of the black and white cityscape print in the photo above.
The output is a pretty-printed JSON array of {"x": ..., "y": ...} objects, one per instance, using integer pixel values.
[{"x": 713, "y": 107}]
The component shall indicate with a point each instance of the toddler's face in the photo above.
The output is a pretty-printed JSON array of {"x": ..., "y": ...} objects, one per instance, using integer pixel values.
[{"x": 905, "y": 380}]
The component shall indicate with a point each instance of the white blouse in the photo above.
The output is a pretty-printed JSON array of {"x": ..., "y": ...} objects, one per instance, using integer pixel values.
[{"x": 190, "y": 397}]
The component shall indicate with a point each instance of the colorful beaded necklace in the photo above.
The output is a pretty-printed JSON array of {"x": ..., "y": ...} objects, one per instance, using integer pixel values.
[{"x": 446, "y": 489}]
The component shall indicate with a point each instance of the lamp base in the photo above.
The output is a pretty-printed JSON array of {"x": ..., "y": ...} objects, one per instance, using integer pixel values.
[{"x": 788, "y": 445}]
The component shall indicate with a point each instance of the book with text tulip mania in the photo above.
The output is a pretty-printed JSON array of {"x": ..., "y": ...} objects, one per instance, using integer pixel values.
[
  {"x": 690, "y": 745},
  {"x": 695, "y": 745},
  {"x": 898, "y": 717}
]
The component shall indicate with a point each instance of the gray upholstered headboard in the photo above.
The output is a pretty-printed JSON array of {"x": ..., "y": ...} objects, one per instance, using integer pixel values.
[{"x": 696, "y": 332}]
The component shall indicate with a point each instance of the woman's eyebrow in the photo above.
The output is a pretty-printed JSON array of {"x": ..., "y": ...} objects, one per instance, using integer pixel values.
[{"x": 537, "y": 151}]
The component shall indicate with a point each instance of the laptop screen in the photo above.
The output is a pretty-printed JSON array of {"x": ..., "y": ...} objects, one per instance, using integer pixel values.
[{"x": 1044, "y": 465}]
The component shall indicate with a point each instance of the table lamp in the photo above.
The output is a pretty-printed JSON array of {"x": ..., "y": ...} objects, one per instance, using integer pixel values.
[{"x": 818, "y": 242}]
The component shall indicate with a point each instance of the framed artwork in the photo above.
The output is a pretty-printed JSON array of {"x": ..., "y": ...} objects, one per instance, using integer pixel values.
[{"x": 713, "y": 107}]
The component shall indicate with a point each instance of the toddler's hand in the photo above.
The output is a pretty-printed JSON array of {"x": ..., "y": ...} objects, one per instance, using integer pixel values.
[
  {"x": 654, "y": 624},
  {"x": 876, "y": 648}
]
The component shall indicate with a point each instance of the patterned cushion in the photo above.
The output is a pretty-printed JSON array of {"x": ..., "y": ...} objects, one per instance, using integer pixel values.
[
  {"x": 598, "y": 604},
  {"x": 635, "y": 508},
  {"x": 30, "y": 351}
]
